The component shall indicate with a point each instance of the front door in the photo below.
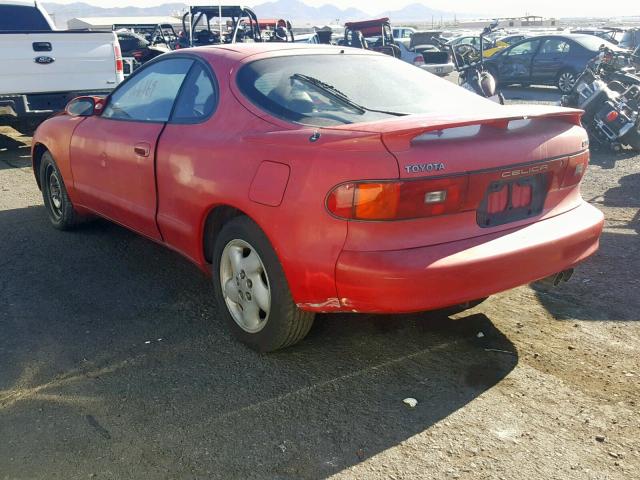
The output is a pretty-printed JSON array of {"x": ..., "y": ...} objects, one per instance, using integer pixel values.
[
  {"x": 516, "y": 62},
  {"x": 550, "y": 59},
  {"x": 113, "y": 155}
]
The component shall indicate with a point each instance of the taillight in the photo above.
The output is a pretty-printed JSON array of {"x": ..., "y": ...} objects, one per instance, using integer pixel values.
[
  {"x": 118, "y": 55},
  {"x": 515, "y": 187},
  {"x": 576, "y": 167},
  {"x": 397, "y": 200},
  {"x": 612, "y": 116},
  {"x": 419, "y": 60}
]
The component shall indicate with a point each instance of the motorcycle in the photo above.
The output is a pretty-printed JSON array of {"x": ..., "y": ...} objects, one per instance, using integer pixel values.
[
  {"x": 469, "y": 63},
  {"x": 610, "y": 98}
]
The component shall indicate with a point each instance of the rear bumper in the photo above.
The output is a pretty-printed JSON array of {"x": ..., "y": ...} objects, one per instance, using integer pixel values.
[
  {"x": 440, "y": 69},
  {"x": 438, "y": 276}
]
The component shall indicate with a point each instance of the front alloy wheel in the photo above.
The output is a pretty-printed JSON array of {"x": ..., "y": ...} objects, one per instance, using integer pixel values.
[
  {"x": 54, "y": 195},
  {"x": 54, "y": 191},
  {"x": 245, "y": 285},
  {"x": 566, "y": 81}
]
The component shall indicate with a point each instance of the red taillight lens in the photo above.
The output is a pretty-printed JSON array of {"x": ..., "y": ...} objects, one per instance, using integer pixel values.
[
  {"x": 576, "y": 167},
  {"x": 419, "y": 60},
  {"x": 118, "y": 56},
  {"x": 398, "y": 200},
  {"x": 612, "y": 116},
  {"x": 138, "y": 54}
]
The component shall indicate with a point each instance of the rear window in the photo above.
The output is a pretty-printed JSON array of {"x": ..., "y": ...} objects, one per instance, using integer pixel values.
[
  {"x": 630, "y": 39},
  {"x": 336, "y": 89},
  {"x": 22, "y": 18},
  {"x": 593, "y": 43}
]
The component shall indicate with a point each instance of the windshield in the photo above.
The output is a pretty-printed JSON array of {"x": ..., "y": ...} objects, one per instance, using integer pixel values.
[
  {"x": 332, "y": 89},
  {"x": 629, "y": 39}
]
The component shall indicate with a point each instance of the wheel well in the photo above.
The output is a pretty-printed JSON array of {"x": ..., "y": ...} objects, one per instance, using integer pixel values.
[
  {"x": 38, "y": 151},
  {"x": 216, "y": 218}
]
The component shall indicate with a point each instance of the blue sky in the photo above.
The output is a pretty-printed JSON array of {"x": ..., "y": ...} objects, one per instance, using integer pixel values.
[{"x": 551, "y": 8}]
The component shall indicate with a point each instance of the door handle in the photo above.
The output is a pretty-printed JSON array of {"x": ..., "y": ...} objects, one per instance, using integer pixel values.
[
  {"x": 41, "y": 46},
  {"x": 142, "y": 149}
]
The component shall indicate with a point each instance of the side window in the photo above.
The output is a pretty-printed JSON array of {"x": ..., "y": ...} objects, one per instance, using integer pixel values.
[
  {"x": 149, "y": 95},
  {"x": 555, "y": 46},
  {"x": 524, "y": 48},
  {"x": 198, "y": 98}
]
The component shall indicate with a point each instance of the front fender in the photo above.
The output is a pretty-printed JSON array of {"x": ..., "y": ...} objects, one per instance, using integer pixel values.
[{"x": 54, "y": 135}]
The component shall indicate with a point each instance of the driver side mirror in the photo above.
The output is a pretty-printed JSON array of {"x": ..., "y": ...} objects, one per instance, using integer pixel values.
[{"x": 85, "y": 106}]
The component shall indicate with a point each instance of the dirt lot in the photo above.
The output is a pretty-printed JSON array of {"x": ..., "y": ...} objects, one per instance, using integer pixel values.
[{"x": 114, "y": 363}]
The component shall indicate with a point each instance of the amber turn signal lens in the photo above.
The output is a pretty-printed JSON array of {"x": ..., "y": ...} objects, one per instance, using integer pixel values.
[{"x": 397, "y": 200}]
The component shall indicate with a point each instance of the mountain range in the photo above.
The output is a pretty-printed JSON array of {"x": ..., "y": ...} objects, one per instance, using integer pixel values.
[{"x": 294, "y": 10}]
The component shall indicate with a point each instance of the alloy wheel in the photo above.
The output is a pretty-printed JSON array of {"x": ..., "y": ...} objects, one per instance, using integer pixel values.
[
  {"x": 55, "y": 192},
  {"x": 566, "y": 81},
  {"x": 245, "y": 285}
]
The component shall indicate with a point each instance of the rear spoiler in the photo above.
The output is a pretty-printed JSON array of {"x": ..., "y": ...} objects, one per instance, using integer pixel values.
[{"x": 399, "y": 133}]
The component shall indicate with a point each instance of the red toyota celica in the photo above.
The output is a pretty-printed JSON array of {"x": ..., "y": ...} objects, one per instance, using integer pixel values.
[{"x": 324, "y": 179}]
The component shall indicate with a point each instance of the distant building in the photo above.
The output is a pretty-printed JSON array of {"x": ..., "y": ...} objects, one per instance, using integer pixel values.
[
  {"x": 512, "y": 22},
  {"x": 106, "y": 23}
]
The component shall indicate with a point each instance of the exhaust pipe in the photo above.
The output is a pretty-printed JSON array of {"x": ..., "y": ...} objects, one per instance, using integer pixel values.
[{"x": 557, "y": 278}]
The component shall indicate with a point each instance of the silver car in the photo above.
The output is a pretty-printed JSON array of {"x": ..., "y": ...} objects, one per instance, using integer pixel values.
[{"x": 431, "y": 61}]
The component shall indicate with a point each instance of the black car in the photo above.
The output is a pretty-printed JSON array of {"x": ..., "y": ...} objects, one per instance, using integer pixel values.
[
  {"x": 546, "y": 60},
  {"x": 136, "y": 50}
]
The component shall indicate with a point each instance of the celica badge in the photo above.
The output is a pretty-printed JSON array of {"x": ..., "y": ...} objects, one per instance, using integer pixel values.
[
  {"x": 424, "y": 167},
  {"x": 44, "y": 60}
]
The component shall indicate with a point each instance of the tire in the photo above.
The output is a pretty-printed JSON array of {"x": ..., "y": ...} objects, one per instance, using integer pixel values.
[
  {"x": 632, "y": 138},
  {"x": 54, "y": 194},
  {"x": 256, "y": 303},
  {"x": 494, "y": 73},
  {"x": 26, "y": 128},
  {"x": 566, "y": 80}
]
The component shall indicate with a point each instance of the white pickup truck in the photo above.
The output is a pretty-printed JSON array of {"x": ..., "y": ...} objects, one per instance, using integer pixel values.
[{"x": 43, "y": 68}]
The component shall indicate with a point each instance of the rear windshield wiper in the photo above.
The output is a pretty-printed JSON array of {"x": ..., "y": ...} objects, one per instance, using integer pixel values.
[{"x": 338, "y": 95}]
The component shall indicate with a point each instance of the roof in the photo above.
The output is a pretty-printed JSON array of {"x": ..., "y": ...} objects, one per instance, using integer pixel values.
[
  {"x": 142, "y": 20},
  {"x": 227, "y": 10},
  {"x": 366, "y": 23},
  {"x": 247, "y": 49},
  {"x": 23, "y": 3}
]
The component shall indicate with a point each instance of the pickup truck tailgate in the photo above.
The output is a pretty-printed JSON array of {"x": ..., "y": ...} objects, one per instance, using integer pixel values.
[{"x": 57, "y": 61}]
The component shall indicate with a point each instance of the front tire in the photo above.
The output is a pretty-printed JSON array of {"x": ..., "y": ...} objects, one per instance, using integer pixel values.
[
  {"x": 566, "y": 81},
  {"x": 54, "y": 194},
  {"x": 632, "y": 138},
  {"x": 252, "y": 290}
]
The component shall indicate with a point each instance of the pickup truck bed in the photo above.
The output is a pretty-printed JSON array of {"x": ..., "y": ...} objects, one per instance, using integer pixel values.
[{"x": 43, "y": 68}]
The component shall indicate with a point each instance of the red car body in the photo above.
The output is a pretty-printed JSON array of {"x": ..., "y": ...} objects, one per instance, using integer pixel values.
[{"x": 168, "y": 181}]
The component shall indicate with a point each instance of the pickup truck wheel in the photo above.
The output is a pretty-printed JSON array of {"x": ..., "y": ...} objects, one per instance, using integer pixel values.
[
  {"x": 56, "y": 201},
  {"x": 252, "y": 290}
]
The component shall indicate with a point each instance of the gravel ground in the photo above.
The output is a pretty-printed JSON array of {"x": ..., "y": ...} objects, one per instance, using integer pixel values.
[{"x": 114, "y": 364}]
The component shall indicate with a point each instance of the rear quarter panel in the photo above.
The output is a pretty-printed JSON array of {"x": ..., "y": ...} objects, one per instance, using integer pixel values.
[{"x": 201, "y": 167}]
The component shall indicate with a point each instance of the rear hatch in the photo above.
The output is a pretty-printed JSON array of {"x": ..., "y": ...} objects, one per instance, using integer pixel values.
[
  {"x": 510, "y": 166},
  {"x": 433, "y": 57}
]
